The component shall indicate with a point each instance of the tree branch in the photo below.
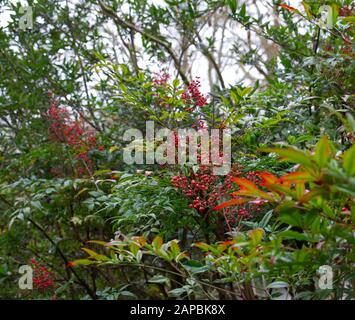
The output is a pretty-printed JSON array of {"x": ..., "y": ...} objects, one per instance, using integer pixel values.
[{"x": 131, "y": 26}]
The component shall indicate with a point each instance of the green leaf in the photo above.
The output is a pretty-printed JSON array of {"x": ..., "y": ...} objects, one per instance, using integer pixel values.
[
  {"x": 95, "y": 255},
  {"x": 159, "y": 279},
  {"x": 307, "y": 8},
  {"x": 37, "y": 205},
  {"x": 294, "y": 155},
  {"x": 157, "y": 243},
  {"x": 350, "y": 122},
  {"x": 134, "y": 247},
  {"x": 176, "y": 83},
  {"x": 84, "y": 262},
  {"x": 202, "y": 245},
  {"x": 278, "y": 284},
  {"x": 349, "y": 161},
  {"x": 195, "y": 266},
  {"x": 243, "y": 10},
  {"x": 246, "y": 91},
  {"x": 334, "y": 14},
  {"x": 291, "y": 217},
  {"x": 266, "y": 218},
  {"x": 324, "y": 151},
  {"x": 256, "y": 235},
  {"x": 289, "y": 234},
  {"x": 139, "y": 256},
  {"x": 80, "y": 192},
  {"x": 350, "y": 19},
  {"x": 174, "y": 247},
  {"x": 177, "y": 292},
  {"x": 233, "y": 4},
  {"x": 234, "y": 97}
]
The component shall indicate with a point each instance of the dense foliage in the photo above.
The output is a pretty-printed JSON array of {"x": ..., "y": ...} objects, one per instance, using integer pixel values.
[{"x": 92, "y": 226}]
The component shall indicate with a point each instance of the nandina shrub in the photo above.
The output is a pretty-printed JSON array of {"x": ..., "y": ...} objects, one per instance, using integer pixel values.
[
  {"x": 205, "y": 190},
  {"x": 73, "y": 134},
  {"x": 43, "y": 279},
  {"x": 192, "y": 96},
  {"x": 314, "y": 229},
  {"x": 177, "y": 105},
  {"x": 314, "y": 206}
]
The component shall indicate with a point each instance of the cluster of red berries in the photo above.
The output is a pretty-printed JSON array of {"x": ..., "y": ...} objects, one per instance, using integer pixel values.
[
  {"x": 203, "y": 188},
  {"x": 197, "y": 187},
  {"x": 72, "y": 132},
  {"x": 193, "y": 95},
  {"x": 345, "y": 12},
  {"x": 253, "y": 177},
  {"x": 161, "y": 79},
  {"x": 205, "y": 191},
  {"x": 42, "y": 278}
]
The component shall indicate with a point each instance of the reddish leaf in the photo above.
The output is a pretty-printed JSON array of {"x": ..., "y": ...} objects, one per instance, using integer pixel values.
[
  {"x": 229, "y": 203},
  {"x": 245, "y": 184},
  {"x": 202, "y": 245},
  {"x": 289, "y": 8},
  {"x": 273, "y": 183},
  {"x": 228, "y": 243},
  {"x": 267, "y": 178},
  {"x": 248, "y": 188},
  {"x": 297, "y": 177}
]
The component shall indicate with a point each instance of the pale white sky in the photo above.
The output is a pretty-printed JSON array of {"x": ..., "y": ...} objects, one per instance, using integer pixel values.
[{"x": 231, "y": 74}]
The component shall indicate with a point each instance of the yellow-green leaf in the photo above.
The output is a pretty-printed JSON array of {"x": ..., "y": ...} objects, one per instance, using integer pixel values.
[
  {"x": 307, "y": 8},
  {"x": 256, "y": 235},
  {"x": 83, "y": 262},
  {"x": 294, "y": 155},
  {"x": 349, "y": 161},
  {"x": 113, "y": 148},
  {"x": 157, "y": 243},
  {"x": 324, "y": 151}
]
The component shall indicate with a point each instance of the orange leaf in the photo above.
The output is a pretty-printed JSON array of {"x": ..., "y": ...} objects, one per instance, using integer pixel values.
[
  {"x": 229, "y": 203},
  {"x": 248, "y": 188},
  {"x": 297, "y": 177},
  {"x": 245, "y": 184},
  {"x": 140, "y": 240},
  {"x": 267, "y": 178},
  {"x": 229, "y": 242},
  {"x": 289, "y": 8}
]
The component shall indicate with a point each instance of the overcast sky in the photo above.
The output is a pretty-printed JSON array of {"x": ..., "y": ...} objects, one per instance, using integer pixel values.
[{"x": 231, "y": 74}]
